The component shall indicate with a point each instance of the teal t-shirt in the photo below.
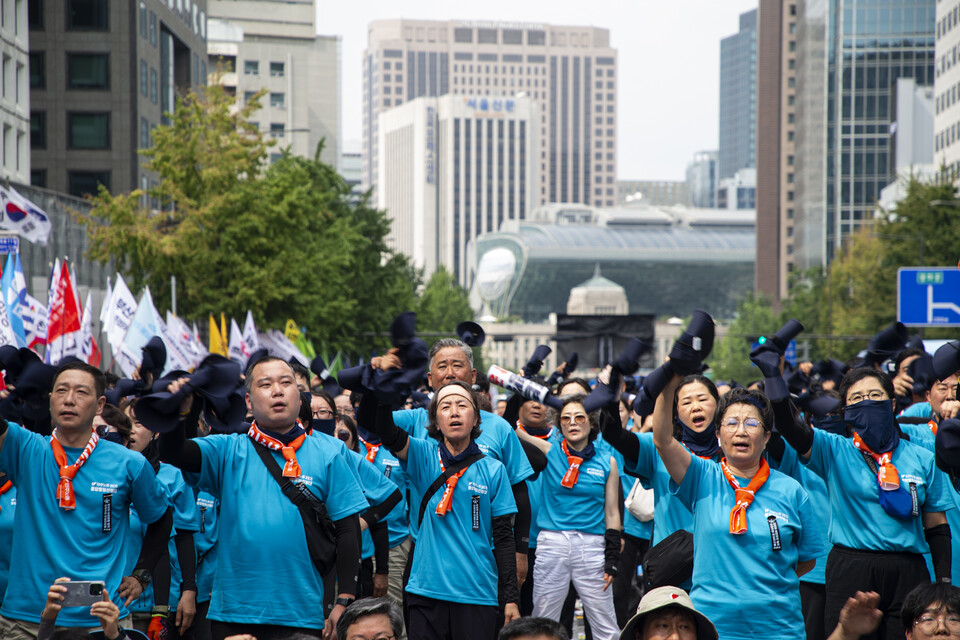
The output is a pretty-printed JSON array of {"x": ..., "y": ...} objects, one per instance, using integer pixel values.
[
  {"x": 398, "y": 523},
  {"x": 669, "y": 513},
  {"x": 576, "y": 508},
  {"x": 816, "y": 489}
]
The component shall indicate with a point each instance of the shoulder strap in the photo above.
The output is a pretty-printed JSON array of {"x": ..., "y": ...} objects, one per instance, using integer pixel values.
[
  {"x": 441, "y": 480},
  {"x": 285, "y": 484},
  {"x": 870, "y": 462}
]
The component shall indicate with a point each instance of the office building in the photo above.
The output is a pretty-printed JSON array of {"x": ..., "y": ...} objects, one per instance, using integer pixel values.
[
  {"x": 776, "y": 141},
  {"x": 273, "y": 46},
  {"x": 911, "y": 143},
  {"x": 570, "y": 74},
  {"x": 947, "y": 87},
  {"x": 850, "y": 55},
  {"x": 102, "y": 74},
  {"x": 739, "y": 191},
  {"x": 14, "y": 94},
  {"x": 653, "y": 192},
  {"x": 738, "y": 99},
  {"x": 702, "y": 180},
  {"x": 451, "y": 169}
]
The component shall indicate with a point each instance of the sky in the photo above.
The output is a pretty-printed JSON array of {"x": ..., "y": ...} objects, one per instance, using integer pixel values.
[{"x": 668, "y": 56}]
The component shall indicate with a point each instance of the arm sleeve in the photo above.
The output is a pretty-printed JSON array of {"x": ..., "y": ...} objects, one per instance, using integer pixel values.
[
  {"x": 536, "y": 458},
  {"x": 512, "y": 411},
  {"x": 776, "y": 447},
  {"x": 161, "y": 578},
  {"x": 505, "y": 553},
  {"x": 381, "y": 546},
  {"x": 348, "y": 553},
  {"x": 378, "y": 512},
  {"x": 618, "y": 437},
  {"x": 938, "y": 538},
  {"x": 155, "y": 542},
  {"x": 392, "y": 436},
  {"x": 175, "y": 449},
  {"x": 794, "y": 431},
  {"x": 187, "y": 555},
  {"x": 521, "y": 525}
]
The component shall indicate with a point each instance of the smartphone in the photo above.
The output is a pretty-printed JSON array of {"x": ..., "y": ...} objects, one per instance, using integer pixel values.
[{"x": 82, "y": 593}]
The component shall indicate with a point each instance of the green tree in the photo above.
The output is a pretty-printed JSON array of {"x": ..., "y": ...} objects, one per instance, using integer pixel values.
[
  {"x": 283, "y": 240},
  {"x": 730, "y": 358},
  {"x": 443, "y": 304}
]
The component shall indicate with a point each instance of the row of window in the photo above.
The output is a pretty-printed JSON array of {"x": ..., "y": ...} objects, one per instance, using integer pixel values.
[
  {"x": 85, "y": 130},
  {"x": 277, "y": 100},
  {"x": 948, "y": 98},
  {"x": 946, "y": 137},
  {"x": 252, "y": 68},
  {"x": 79, "y": 183},
  {"x": 949, "y": 21}
]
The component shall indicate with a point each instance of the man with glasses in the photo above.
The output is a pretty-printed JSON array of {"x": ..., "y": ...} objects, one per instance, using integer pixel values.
[
  {"x": 371, "y": 619},
  {"x": 932, "y": 611}
]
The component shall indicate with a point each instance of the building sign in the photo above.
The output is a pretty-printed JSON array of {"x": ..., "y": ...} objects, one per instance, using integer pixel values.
[
  {"x": 486, "y": 24},
  {"x": 430, "y": 144},
  {"x": 490, "y": 107}
]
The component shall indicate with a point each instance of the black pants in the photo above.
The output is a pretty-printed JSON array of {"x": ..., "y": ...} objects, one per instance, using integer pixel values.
[
  {"x": 526, "y": 591},
  {"x": 626, "y": 596},
  {"x": 441, "y": 620},
  {"x": 812, "y": 599},
  {"x": 223, "y": 630},
  {"x": 892, "y": 575}
]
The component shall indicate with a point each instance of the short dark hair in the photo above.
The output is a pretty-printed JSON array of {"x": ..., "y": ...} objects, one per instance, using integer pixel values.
[
  {"x": 299, "y": 370},
  {"x": 856, "y": 375},
  {"x": 248, "y": 378},
  {"x": 351, "y": 426},
  {"x": 99, "y": 383},
  {"x": 118, "y": 419},
  {"x": 320, "y": 393},
  {"x": 924, "y": 595},
  {"x": 533, "y": 627},
  {"x": 583, "y": 384},
  {"x": 370, "y": 607},
  {"x": 746, "y": 396},
  {"x": 434, "y": 429},
  {"x": 592, "y": 418}
]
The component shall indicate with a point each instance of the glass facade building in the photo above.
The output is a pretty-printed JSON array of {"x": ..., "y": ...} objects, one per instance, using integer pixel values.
[
  {"x": 852, "y": 53},
  {"x": 738, "y": 99}
]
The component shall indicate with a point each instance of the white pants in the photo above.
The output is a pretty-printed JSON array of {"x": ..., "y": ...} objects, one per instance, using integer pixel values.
[{"x": 565, "y": 556}]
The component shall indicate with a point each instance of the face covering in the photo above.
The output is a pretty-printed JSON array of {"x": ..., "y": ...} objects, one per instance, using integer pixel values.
[
  {"x": 873, "y": 420},
  {"x": 326, "y": 426},
  {"x": 833, "y": 424},
  {"x": 703, "y": 443}
]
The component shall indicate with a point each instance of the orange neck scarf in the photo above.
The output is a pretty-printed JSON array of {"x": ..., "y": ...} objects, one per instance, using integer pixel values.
[
  {"x": 887, "y": 474},
  {"x": 573, "y": 471},
  {"x": 65, "y": 495},
  {"x": 743, "y": 497},
  {"x": 291, "y": 468},
  {"x": 4, "y": 488},
  {"x": 446, "y": 500},
  {"x": 933, "y": 426},
  {"x": 371, "y": 450}
]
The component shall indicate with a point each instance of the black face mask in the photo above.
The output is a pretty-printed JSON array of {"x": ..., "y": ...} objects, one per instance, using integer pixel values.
[
  {"x": 702, "y": 443},
  {"x": 874, "y": 422},
  {"x": 833, "y": 424},
  {"x": 326, "y": 426},
  {"x": 113, "y": 436}
]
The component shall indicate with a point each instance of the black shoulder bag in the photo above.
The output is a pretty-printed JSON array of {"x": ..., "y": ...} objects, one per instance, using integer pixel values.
[
  {"x": 442, "y": 480},
  {"x": 670, "y": 561},
  {"x": 319, "y": 528}
]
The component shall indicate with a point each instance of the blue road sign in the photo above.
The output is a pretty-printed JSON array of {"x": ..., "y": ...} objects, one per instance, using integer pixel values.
[
  {"x": 928, "y": 297},
  {"x": 9, "y": 244}
]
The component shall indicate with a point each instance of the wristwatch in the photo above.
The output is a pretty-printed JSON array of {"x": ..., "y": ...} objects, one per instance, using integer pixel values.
[
  {"x": 143, "y": 577},
  {"x": 346, "y": 602}
]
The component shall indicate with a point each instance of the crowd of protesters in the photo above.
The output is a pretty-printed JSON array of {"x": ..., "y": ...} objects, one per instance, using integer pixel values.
[{"x": 269, "y": 500}]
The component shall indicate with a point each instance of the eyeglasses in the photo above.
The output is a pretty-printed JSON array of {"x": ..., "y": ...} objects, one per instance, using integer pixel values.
[
  {"x": 580, "y": 418},
  {"x": 929, "y": 623},
  {"x": 380, "y": 637},
  {"x": 323, "y": 414},
  {"x": 876, "y": 394},
  {"x": 752, "y": 425}
]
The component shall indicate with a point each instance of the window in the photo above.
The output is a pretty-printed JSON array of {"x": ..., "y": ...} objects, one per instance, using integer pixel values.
[
  {"x": 38, "y": 70},
  {"x": 88, "y": 70},
  {"x": 38, "y": 129},
  {"x": 275, "y": 157},
  {"x": 144, "y": 133},
  {"x": 487, "y": 36},
  {"x": 248, "y": 96},
  {"x": 276, "y": 69},
  {"x": 88, "y": 130},
  {"x": 35, "y": 15},
  {"x": 463, "y": 35},
  {"x": 153, "y": 29},
  {"x": 276, "y": 129},
  {"x": 536, "y": 37},
  {"x": 144, "y": 79},
  {"x": 38, "y": 178},
  {"x": 277, "y": 100},
  {"x": 251, "y": 67},
  {"x": 512, "y": 36},
  {"x": 82, "y": 183},
  {"x": 144, "y": 30},
  {"x": 154, "y": 86},
  {"x": 87, "y": 15}
]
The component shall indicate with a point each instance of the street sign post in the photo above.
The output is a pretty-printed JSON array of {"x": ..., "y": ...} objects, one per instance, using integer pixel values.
[
  {"x": 928, "y": 296},
  {"x": 9, "y": 243}
]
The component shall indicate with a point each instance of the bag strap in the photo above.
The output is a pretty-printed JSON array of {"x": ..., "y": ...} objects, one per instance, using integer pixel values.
[
  {"x": 870, "y": 462},
  {"x": 286, "y": 485},
  {"x": 441, "y": 480}
]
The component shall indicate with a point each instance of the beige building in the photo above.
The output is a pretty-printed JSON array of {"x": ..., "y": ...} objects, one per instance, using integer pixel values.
[
  {"x": 14, "y": 93},
  {"x": 569, "y": 72},
  {"x": 946, "y": 124},
  {"x": 776, "y": 114},
  {"x": 273, "y": 45},
  {"x": 102, "y": 74},
  {"x": 598, "y": 296}
]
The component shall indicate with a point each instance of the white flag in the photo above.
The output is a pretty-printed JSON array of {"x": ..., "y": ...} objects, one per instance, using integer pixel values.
[
  {"x": 7, "y": 335},
  {"x": 145, "y": 324},
  {"x": 237, "y": 348},
  {"x": 86, "y": 331},
  {"x": 106, "y": 305},
  {"x": 123, "y": 306},
  {"x": 20, "y": 215},
  {"x": 250, "y": 334},
  {"x": 35, "y": 316}
]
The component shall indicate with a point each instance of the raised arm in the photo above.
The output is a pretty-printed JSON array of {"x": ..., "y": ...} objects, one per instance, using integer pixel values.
[{"x": 674, "y": 455}]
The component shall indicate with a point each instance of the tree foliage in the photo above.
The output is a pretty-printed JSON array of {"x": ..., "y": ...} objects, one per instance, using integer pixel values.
[
  {"x": 283, "y": 240},
  {"x": 443, "y": 304}
]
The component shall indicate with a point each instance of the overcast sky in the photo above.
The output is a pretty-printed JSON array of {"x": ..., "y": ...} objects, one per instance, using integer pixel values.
[{"x": 669, "y": 59}]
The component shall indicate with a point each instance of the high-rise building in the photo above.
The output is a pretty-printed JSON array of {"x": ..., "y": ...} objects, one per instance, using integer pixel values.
[
  {"x": 738, "y": 99},
  {"x": 776, "y": 105},
  {"x": 702, "y": 180},
  {"x": 946, "y": 124},
  {"x": 850, "y": 57},
  {"x": 452, "y": 168},
  {"x": 272, "y": 45},
  {"x": 570, "y": 74},
  {"x": 738, "y": 192},
  {"x": 14, "y": 94},
  {"x": 102, "y": 74}
]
